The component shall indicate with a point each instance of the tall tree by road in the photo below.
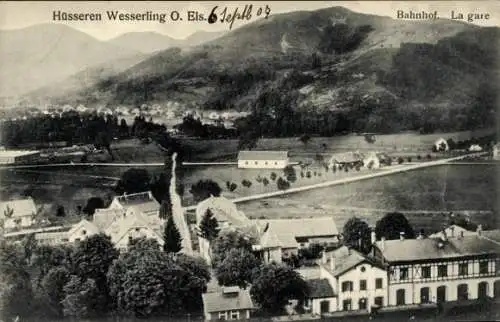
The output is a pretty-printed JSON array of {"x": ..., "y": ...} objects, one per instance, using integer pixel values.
[
  {"x": 172, "y": 237},
  {"x": 392, "y": 224},
  {"x": 209, "y": 227}
]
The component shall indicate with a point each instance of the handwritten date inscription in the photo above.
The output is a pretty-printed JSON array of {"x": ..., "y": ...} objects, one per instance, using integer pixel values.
[{"x": 229, "y": 16}]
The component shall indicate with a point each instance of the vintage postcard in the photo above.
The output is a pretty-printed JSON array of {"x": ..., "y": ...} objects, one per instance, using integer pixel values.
[{"x": 258, "y": 161}]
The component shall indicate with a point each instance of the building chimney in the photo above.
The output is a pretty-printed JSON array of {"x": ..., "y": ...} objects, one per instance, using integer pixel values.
[
  {"x": 479, "y": 230},
  {"x": 373, "y": 237},
  {"x": 332, "y": 263},
  {"x": 461, "y": 235},
  {"x": 452, "y": 229},
  {"x": 382, "y": 243},
  {"x": 324, "y": 260},
  {"x": 402, "y": 235}
]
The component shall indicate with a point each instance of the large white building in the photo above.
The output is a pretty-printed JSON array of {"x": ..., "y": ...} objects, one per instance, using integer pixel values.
[
  {"x": 18, "y": 156},
  {"x": 444, "y": 269},
  {"x": 263, "y": 159}
]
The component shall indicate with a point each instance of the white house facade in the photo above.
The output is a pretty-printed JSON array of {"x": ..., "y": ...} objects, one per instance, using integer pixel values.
[{"x": 263, "y": 159}]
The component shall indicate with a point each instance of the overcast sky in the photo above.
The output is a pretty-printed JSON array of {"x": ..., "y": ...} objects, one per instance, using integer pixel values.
[{"x": 14, "y": 15}]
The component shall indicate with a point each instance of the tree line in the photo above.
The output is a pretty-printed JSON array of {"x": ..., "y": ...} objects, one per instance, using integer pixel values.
[{"x": 93, "y": 279}]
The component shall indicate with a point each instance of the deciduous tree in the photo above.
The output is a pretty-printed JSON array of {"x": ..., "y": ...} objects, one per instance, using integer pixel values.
[
  {"x": 237, "y": 268},
  {"x": 392, "y": 224},
  {"x": 357, "y": 234},
  {"x": 275, "y": 284},
  {"x": 203, "y": 189}
]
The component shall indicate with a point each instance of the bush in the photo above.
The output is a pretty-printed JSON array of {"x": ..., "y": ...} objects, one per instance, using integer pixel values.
[
  {"x": 246, "y": 183},
  {"x": 302, "y": 175},
  {"x": 409, "y": 159},
  {"x": 419, "y": 157},
  {"x": 282, "y": 184},
  {"x": 429, "y": 157},
  {"x": 273, "y": 176},
  {"x": 265, "y": 181},
  {"x": 308, "y": 174},
  {"x": 400, "y": 160},
  {"x": 233, "y": 187}
]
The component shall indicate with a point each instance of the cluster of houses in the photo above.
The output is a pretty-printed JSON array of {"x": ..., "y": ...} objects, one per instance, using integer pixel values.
[
  {"x": 454, "y": 265},
  {"x": 168, "y": 111}
]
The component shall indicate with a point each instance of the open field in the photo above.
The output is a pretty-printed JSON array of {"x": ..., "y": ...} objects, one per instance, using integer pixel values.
[
  {"x": 443, "y": 188},
  {"x": 404, "y": 144}
]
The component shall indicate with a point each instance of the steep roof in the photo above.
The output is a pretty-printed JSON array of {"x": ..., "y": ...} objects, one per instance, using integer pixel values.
[
  {"x": 287, "y": 230},
  {"x": 429, "y": 248},
  {"x": 320, "y": 288},
  {"x": 123, "y": 224},
  {"x": 104, "y": 217},
  {"x": 85, "y": 224},
  {"x": 345, "y": 259},
  {"x": 263, "y": 155},
  {"x": 223, "y": 209},
  {"x": 218, "y": 301},
  {"x": 20, "y": 207}
]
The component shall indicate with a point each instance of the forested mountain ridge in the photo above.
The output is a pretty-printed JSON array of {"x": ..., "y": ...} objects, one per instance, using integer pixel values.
[{"x": 360, "y": 72}]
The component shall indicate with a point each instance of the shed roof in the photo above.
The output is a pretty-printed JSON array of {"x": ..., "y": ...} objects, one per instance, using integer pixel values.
[
  {"x": 218, "y": 301},
  {"x": 263, "y": 155}
]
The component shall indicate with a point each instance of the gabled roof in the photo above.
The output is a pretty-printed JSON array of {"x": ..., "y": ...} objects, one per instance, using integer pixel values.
[
  {"x": 218, "y": 301},
  {"x": 346, "y": 259},
  {"x": 287, "y": 230},
  {"x": 263, "y": 155},
  {"x": 104, "y": 217},
  {"x": 320, "y": 288},
  {"x": 434, "y": 248},
  {"x": 223, "y": 209},
  {"x": 84, "y": 224},
  {"x": 20, "y": 207},
  {"x": 123, "y": 224}
]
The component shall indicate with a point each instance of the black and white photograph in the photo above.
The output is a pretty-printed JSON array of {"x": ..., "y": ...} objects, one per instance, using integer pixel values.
[{"x": 257, "y": 161}]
